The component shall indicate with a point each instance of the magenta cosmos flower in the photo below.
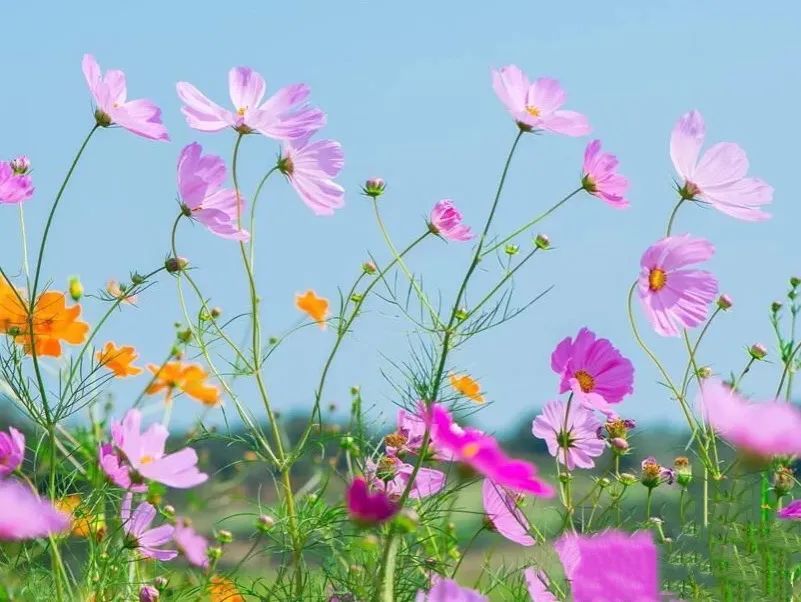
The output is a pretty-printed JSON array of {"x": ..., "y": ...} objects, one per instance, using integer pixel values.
[
  {"x": 791, "y": 511},
  {"x": 408, "y": 438},
  {"x": 593, "y": 369},
  {"x": 310, "y": 170},
  {"x": 12, "y": 451},
  {"x": 574, "y": 436},
  {"x": 719, "y": 177},
  {"x": 672, "y": 297},
  {"x": 141, "y": 117},
  {"x": 134, "y": 456},
  {"x": 766, "y": 429},
  {"x": 200, "y": 180},
  {"x": 15, "y": 185},
  {"x": 482, "y": 453},
  {"x": 25, "y": 515},
  {"x": 501, "y": 509},
  {"x": 537, "y": 106},
  {"x": 447, "y": 590},
  {"x": 446, "y": 221},
  {"x": 600, "y": 178},
  {"x": 367, "y": 507},
  {"x": 283, "y": 116},
  {"x": 192, "y": 545},
  {"x": 140, "y": 536}
]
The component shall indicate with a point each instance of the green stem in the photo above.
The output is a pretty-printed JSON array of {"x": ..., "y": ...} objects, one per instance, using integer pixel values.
[
  {"x": 673, "y": 215},
  {"x": 787, "y": 366},
  {"x": 252, "y": 226},
  {"x": 388, "y": 561},
  {"x": 24, "y": 238},
  {"x": 503, "y": 281},
  {"x": 648, "y": 503}
]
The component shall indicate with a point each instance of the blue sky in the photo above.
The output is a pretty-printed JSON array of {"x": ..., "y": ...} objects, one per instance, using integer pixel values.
[{"x": 407, "y": 90}]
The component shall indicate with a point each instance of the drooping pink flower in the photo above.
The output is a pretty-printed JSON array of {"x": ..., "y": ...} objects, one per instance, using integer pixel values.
[
  {"x": 148, "y": 593},
  {"x": 190, "y": 543},
  {"x": 537, "y": 106},
  {"x": 447, "y": 590},
  {"x": 200, "y": 180},
  {"x": 574, "y": 436},
  {"x": 593, "y": 369},
  {"x": 283, "y": 116},
  {"x": 769, "y": 428},
  {"x": 140, "y": 536},
  {"x": 135, "y": 456},
  {"x": 671, "y": 296},
  {"x": 538, "y": 586},
  {"x": 427, "y": 482},
  {"x": 368, "y": 507},
  {"x": 500, "y": 507},
  {"x": 310, "y": 170},
  {"x": 600, "y": 178},
  {"x": 719, "y": 178},
  {"x": 141, "y": 117},
  {"x": 446, "y": 221},
  {"x": 12, "y": 451},
  {"x": 791, "y": 511},
  {"x": 482, "y": 453},
  {"x": 15, "y": 187},
  {"x": 25, "y": 515}
]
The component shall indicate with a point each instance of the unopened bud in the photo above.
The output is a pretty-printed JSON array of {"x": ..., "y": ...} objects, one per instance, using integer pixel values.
[
  {"x": 619, "y": 445},
  {"x": 347, "y": 442},
  {"x": 758, "y": 351},
  {"x": 368, "y": 267},
  {"x": 216, "y": 312},
  {"x": 355, "y": 390},
  {"x": 176, "y": 264},
  {"x": 76, "y": 288},
  {"x": 21, "y": 165},
  {"x": 775, "y": 307},
  {"x": 160, "y": 582},
  {"x": 603, "y": 483},
  {"x": 225, "y": 536},
  {"x": 783, "y": 481},
  {"x": 704, "y": 372},
  {"x": 148, "y": 593},
  {"x": 214, "y": 553},
  {"x": 795, "y": 281},
  {"x": 627, "y": 478},
  {"x": 461, "y": 313},
  {"x": 683, "y": 470},
  {"x": 511, "y": 250},
  {"x": 184, "y": 335},
  {"x": 137, "y": 279},
  {"x": 169, "y": 511},
  {"x": 725, "y": 302},
  {"x": 374, "y": 187},
  {"x": 356, "y": 297},
  {"x": 542, "y": 241},
  {"x": 264, "y": 523}
]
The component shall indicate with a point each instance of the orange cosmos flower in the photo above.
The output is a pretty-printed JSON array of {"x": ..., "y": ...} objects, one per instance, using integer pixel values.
[
  {"x": 190, "y": 378},
  {"x": 223, "y": 590},
  {"x": 316, "y": 307},
  {"x": 82, "y": 525},
  {"x": 467, "y": 386},
  {"x": 119, "y": 360}
]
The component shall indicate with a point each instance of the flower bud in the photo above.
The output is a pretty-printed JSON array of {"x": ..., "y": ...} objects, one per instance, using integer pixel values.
[
  {"x": 619, "y": 445},
  {"x": 725, "y": 302},
  {"x": 758, "y": 351},
  {"x": 224, "y": 536},
  {"x": 160, "y": 582},
  {"x": 462, "y": 313},
  {"x": 783, "y": 481},
  {"x": 368, "y": 267},
  {"x": 148, "y": 593},
  {"x": 684, "y": 471},
  {"x": 356, "y": 297},
  {"x": 347, "y": 442},
  {"x": 374, "y": 187},
  {"x": 214, "y": 553},
  {"x": 21, "y": 165},
  {"x": 603, "y": 483},
  {"x": 176, "y": 264},
  {"x": 355, "y": 390},
  {"x": 168, "y": 511},
  {"x": 542, "y": 242},
  {"x": 511, "y": 250},
  {"x": 704, "y": 372},
  {"x": 264, "y": 523},
  {"x": 775, "y": 307},
  {"x": 216, "y": 312},
  {"x": 795, "y": 281},
  {"x": 370, "y": 542},
  {"x": 75, "y": 288},
  {"x": 184, "y": 335},
  {"x": 626, "y": 478}
]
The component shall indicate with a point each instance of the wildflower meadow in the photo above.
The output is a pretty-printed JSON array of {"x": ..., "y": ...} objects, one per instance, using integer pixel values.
[{"x": 125, "y": 476}]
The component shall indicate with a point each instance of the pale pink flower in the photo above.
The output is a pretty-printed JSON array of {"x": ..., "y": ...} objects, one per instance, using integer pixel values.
[
  {"x": 140, "y": 536},
  {"x": 408, "y": 438},
  {"x": 447, "y": 590},
  {"x": 190, "y": 543},
  {"x": 12, "y": 451},
  {"x": 311, "y": 169},
  {"x": 25, "y": 516},
  {"x": 538, "y": 586},
  {"x": 719, "y": 178},
  {"x": 446, "y": 221},
  {"x": 500, "y": 506},
  {"x": 574, "y": 436},
  {"x": 427, "y": 482},
  {"x": 15, "y": 187},
  {"x": 600, "y": 178}
]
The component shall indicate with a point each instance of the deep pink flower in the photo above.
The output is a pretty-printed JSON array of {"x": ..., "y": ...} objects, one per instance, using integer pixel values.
[
  {"x": 482, "y": 453},
  {"x": 141, "y": 117},
  {"x": 538, "y": 586},
  {"x": 501, "y": 509},
  {"x": 135, "y": 456},
  {"x": 578, "y": 432},
  {"x": 593, "y": 369},
  {"x": 283, "y": 116},
  {"x": 446, "y": 221},
  {"x": 770, "y": 428},
  {"x": 138, "y": 533},
  {"x": 148, "y": 593},
  {"x": 719, "y": 177},
  {"x": 200, "y": 180},
  {"x": 15, "y": 187},
  {"x": 12, "y": 451},
  {"x": 673, "y": 297},
  {"x": 537, "y": 106},
  {"x": 599, "y": 178},
  {"x": 427, "y": 482},
  {"x": 25, "y": 515},
  {"x": 366, "y": 507},
  {"x": 791, "y": 511},
  {"x": 447, "y": 590},
  {"x": 310, "y": 169},
  {"x": 191, "y": 544}
]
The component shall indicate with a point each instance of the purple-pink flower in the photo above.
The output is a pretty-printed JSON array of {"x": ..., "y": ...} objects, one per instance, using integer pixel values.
[
  {"x": 392, "y": 477},
  {"x": 148, "y": 593},
  {"x": 500, "y": 507},
  {"x": 408, "y": 438},
  {"x": 791, "y": 511},
  {"x": 446, "y": 221},
  {"x": 593, "y": 369},
  {"x": 769, "y": 428},
  {"x": 367, "y": 507},
  {"x": 140, "y": 536},
  {"x": 200, "y": 181},
  {"x": 311, "y": 169},
  {"x": 538, "y": 586},
  {"x": 25, "y": 515},
  {"x": 573, "y": 438},
  {"x": 141, "y": 117},
  {"x": 671, "y": 296},
  {"x": 482, "y": 453},
  {"x": 15, "y": 187},
  {"x": 447, "y": 590},
  {"x": 599, "y": 176},
  {"x": 283, "y": 116},
  {"x": 12, "y": 451},
  {"x": 719, "y": 178},
  {"x": 537, "y": 106},
  {"x": 190, "y": 543}
]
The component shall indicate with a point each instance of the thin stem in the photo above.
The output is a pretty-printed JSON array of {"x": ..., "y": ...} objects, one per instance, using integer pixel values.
[
  {"x": 648, "y": 503},
  {"x": 694, "y": 351},
  {"x": 467, "y": 547},
  {"x": 566, "y": 448},
  {"x": 24, "y": 238},
  {"x": 503, "y": 281},
  {"x": 787, "y": 365},
  {"x": 252, "y": 226},
  {"x": 673, "y": 215}
]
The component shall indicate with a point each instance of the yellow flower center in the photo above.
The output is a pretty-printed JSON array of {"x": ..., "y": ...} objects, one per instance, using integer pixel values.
[
  {"x": 147, "y": 460},
  {"x": 470, "y": 449},
  {"x": 585, "y": 381},
  {"x": 241, "y": 111},
  {"x": 657, "y": 279},
  {"x": 533, "y": 111}
]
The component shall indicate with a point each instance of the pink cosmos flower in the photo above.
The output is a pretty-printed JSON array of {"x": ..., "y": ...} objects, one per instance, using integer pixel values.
[
  {"x": 200, "y": 181},
  {"x": 148, "y": 593},
  {"x": 25, "y": 515},
  {"x": 593, "y": 369},
  {"x": 538, "y": 586},
  {"x": 673, "y": 297},
  {"x": 138, "y": 533},
  {"x": 482, "y": 453},
  {"x": 447, "y": 590},
  {"x": 366, "y": 507},
  {"x": 408, "y": 438},
  {"x": 766, "y": 429},
  {"x": 537, "y": 106},
  {"x": 791, "y": 511},
  {"x": 502, "y": 511},
  {"x": 446, "y": 221},
  {"x": 310, "y": 169},
  {"x": 719, "y": 177},
  {"x": 427, "y": 482},
  {"x": 15, "y": 186},
  {"x": 141, "y": 117},
  {"x": 283, "y": 116},
  {"x": 135, "y": 455},
  {"x": 578, "y": 432},
  {"x": 600, "y": 179},
  {"x": 191, "y": 544},
  {"x": 12, "y": 451}
]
